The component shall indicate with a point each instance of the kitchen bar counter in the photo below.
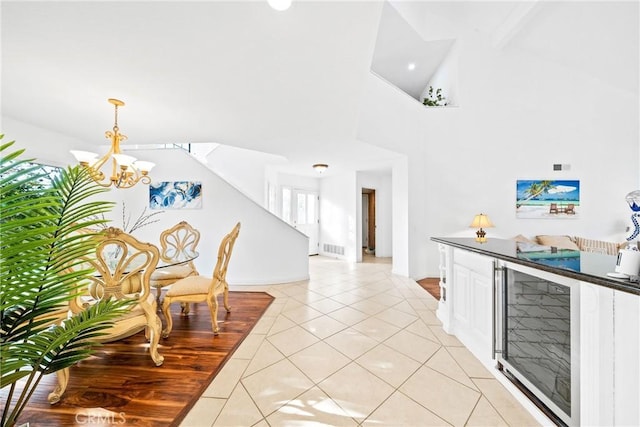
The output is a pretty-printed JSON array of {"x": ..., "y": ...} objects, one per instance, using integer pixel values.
[
  {"x": 502, "y": 298},
  {"x": 584, "y": 266}
]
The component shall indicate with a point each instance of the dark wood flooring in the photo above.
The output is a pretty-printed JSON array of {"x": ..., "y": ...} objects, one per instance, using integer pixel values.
[
  {"x": 120, "y": 385},
  {"x": 431, "y": 285}
]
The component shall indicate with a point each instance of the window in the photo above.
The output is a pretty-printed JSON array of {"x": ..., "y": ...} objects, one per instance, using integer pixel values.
[{"x": 46, "y": 173}]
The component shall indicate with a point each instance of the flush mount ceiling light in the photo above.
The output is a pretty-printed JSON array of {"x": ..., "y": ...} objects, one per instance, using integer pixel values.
[
  {"x": 320, "y": 167},
  {"x": 411, "y": 66},
  {"x": 126, "y": 171},
  {"x": 279, "y": 4}
]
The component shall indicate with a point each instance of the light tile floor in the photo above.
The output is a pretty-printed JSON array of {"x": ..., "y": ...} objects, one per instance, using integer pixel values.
[{"x": 353, "y": 346}]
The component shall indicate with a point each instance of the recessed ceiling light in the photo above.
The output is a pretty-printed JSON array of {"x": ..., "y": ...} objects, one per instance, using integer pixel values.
[
  {"x": 411, "y": 66},
  {"x": 279, "y": 4}
]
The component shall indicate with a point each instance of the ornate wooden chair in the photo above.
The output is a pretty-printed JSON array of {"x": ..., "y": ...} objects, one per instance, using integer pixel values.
[
  {"x": 176, "y": 243},
  {"x": 123, "y": 267},
  {"x": 200, "y": 288}
]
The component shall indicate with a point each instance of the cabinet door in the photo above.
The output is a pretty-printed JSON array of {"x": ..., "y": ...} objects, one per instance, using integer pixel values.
[
  {"x": 609, "y": 354},
  {"x": 481, "y": 319},
  {"x": 472, "y": 302},
  {"x": 627, "y": 358},
  {"x": 460, "y": 297},
  {"x": 596, "y": 355}
]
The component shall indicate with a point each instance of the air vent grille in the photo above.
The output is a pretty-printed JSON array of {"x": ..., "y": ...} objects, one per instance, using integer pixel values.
[{"x": 334, "y": 249}]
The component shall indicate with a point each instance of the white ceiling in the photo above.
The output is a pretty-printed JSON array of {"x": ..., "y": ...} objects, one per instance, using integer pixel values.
[{"x": 240, "y": 73}]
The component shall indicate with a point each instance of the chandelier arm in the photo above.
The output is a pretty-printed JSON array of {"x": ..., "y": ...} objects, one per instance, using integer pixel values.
[
  {"x": 115, "y": 175},
  {"x": 131, "y": 179},
  {"x": 97, "y": 176}
]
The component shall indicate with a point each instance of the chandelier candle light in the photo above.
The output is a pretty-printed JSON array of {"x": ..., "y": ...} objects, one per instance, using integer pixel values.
[
  {"x": 126, "y": 171},
  {"x": 479, "y": 221}
]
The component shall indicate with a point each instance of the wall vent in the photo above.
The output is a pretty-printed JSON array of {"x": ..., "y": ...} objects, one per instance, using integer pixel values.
[{"x": 334, "y": 249}]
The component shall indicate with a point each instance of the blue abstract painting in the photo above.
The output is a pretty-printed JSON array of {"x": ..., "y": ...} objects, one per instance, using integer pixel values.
[{"x": 175, "y": 195}]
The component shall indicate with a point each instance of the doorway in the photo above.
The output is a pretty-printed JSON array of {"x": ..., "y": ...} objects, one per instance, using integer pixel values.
[{"x": 369, "y": 221}]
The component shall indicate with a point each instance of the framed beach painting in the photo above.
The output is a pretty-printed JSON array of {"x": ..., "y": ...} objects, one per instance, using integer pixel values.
[
  {"x": 175, "y": 195},
  {"x": 550, "y": 199}
]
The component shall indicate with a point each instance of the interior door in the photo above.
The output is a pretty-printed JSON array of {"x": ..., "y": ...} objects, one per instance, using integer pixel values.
[
  {"x": 369, "y": 219},
  {"x": 304, "y": 216},
  {"x": 365, "y": 220}
]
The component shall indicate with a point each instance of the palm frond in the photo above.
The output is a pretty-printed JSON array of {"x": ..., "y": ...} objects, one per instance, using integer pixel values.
[{"x": 41, "y": 271}]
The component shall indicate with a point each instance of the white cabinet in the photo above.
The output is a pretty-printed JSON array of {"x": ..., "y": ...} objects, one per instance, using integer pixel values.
[
  {"x": 626, "y": 331},
  {"x": 470, "y": 302},
  {"x": 609, "y": 357},
  {"x": 605, "y": 328},
  {"x": 596, "y": 350}
]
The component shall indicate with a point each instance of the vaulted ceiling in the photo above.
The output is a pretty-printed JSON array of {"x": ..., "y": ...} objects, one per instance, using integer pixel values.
[{"x": 240, "y": 73}]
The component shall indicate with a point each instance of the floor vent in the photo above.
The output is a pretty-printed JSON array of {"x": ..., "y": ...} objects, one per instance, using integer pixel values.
[{"x": 334, "y": 249}]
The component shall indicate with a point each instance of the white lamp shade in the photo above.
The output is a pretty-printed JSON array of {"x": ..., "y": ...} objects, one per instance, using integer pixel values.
[
  {"x": 84, "y": 156},
  {"x": 124, "y": 160},
  {"x": 144, "y": 165},
  {"x": 481, "y": 221}
]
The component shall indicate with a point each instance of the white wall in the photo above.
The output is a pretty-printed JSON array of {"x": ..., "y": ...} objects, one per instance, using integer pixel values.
[
  {"x": 339, "y": 222},
  {"x": 518, "y": 115},
  {"x": 42, "y": 144},
  {"x": 446, "y": 78},
  {"x": 400, "y": 216},
  {"x": 244, "y": 169},
  {"x": 267, "y": 250}
]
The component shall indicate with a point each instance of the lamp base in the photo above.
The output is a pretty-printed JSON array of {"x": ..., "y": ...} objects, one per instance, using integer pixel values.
[{"x": 481, "y": 236}]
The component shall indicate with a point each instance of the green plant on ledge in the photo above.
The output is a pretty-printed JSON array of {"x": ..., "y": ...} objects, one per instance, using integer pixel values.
[
  {"x": 41, "y": 250},
  {"x": 435, "y": 100}
]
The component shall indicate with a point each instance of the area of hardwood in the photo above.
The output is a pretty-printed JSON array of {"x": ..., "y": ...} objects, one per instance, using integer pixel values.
[
  {"x": 431, "y": 285},
  {"x": 119, "y": 384}
]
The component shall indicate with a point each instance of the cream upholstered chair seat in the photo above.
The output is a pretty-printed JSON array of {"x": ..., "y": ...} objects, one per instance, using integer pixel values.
[
  {"x": 176, "y": 244},
  {"x": 202, "y": 288},
  {"x": 190, "y": 286},
  {"x": 123, "y": 266}
]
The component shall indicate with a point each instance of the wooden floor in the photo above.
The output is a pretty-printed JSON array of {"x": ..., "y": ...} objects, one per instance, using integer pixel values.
[
  {"x": 431, "y": 285},
  {"x": 120, "y": 385}
]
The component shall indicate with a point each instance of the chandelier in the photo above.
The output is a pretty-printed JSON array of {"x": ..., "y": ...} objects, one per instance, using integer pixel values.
[{"x": 126, "y": 171}]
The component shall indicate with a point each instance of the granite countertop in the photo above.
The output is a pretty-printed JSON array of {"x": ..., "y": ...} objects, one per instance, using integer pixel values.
[{"x": 584, "y": 266}]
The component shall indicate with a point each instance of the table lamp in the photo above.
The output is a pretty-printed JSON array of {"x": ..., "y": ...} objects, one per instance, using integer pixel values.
[{"x": 479, "y": 221}]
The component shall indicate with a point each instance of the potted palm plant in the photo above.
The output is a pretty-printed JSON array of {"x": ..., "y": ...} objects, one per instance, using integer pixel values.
[{"x": 40, "y": 271}]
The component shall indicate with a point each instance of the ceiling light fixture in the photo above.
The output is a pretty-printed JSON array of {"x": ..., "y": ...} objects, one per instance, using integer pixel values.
[
  {"x": 279, "y": 5},
  {"x": 411, "y": 66},
  {"x": 126, "y": 171},
  {"x": 320, "y": 167}
]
